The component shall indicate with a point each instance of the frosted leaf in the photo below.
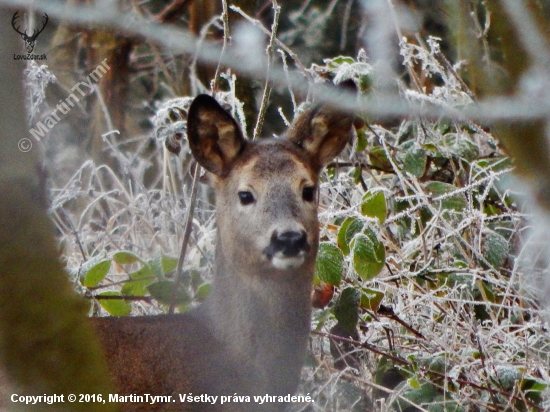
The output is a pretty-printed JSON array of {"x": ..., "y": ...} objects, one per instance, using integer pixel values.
[
  {"x": 352, "y": 71},
  {"x": 507, "y": 376}
]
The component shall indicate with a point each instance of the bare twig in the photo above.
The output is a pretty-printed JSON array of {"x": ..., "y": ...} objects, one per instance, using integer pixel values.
[
  {"x": 186, "y": 235},
  {"x": 215, "y": 84},
  {"x": 283, "y": 46},
  {"x": 173, "y": 11},
  {"x": 267, "y": 87},
  {"x": 292, "y": 97},
  {"x": 121, "y": 297}
]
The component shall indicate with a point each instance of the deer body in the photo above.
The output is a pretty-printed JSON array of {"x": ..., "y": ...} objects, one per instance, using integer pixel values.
[{"x": 250, "y": 336}]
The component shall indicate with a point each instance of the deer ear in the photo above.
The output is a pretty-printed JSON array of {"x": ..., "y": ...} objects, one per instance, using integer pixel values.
[
  {"x": 214, "y": 136},
  {"x": 323, "y": 132}
]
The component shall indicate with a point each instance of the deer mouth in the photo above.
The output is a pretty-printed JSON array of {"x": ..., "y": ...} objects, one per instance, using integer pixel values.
[
  {"x": 286, "y": 263},
  {"x": 287, "y": 250}
]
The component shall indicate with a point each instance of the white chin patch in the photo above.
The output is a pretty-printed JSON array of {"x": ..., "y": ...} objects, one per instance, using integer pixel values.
[{"x": 283, "y": 262}]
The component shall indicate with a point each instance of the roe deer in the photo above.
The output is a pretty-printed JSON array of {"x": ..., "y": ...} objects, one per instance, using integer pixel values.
[{"x": 250, "y": 335}]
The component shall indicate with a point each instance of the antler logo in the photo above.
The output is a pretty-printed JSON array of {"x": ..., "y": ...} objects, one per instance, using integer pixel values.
[{"x": 29, "y": 40}]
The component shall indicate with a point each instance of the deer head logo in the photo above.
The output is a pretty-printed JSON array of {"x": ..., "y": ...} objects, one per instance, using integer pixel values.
[{"x": 29, "y": 40}]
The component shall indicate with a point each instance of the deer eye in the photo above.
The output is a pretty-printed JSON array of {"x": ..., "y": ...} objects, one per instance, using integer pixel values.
[
  {"x": 246, "y": 198},
  {"x": 308, "y": 193}
]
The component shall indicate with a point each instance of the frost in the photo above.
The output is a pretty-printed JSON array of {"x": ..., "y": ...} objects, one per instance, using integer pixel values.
[
  {"x": 171, "y": 119},
  {"x": 352, "y": 71},
  {"x": 37, "y": 78},
  {"x": 412, "y": 53},
  {"x": 506, "y": 376}
]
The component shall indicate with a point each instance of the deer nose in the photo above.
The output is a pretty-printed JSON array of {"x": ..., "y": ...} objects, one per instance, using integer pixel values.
[{"x": 289, "y": 243}]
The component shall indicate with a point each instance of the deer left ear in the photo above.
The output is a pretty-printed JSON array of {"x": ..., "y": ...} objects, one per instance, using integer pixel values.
[
  {"x": 214, "y": 136},
  {"x": 323, "y": 132}
]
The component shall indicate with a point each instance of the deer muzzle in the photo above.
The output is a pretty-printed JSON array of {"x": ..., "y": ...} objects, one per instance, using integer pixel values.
[{"x": 287, "y": 249}]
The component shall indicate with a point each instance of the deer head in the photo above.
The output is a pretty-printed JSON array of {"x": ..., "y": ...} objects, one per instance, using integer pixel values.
[
  {"x": 266, "y": 189},
  {"x": 29, "y": 40}
]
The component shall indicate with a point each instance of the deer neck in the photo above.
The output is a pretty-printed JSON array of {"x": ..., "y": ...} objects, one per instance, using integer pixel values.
[
  {"x": 260, "y": 305},
  {"x": 263, "y": 320}
]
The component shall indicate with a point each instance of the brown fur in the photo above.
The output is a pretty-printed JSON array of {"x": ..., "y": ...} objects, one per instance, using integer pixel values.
[{"x": 250, "y": 335}]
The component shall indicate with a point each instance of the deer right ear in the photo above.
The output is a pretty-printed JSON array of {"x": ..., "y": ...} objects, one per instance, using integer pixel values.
[
  {"x": 214, "y": 136},
  {"x": 323, "y": 131}
]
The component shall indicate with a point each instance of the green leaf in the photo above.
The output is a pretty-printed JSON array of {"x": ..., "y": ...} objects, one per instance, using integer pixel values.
[
  {"x": 168, "y": 264},
  {"x": 156, "y": 266},
  {"x": 461, "y": 146},
  {"x": 421, "y": 396},
  {"x": 495, "y": 165},
  {"x": 329, "y": 266},
  {"x": 371, "y": 298},
  {"x": 507, "y": 376},
  {"x": 443, "y": 126},
  {"x": 341, "y": 238},
  {"x": 337, "y": 61},
  {"x": 361, "y": 140},
  {"x": 379, "y": 160},
  {"x": 387, "y": 374},
  {"x": 369, "y": 255},
  {"x": 124, "y": 257},
  {"x": 495, "y": 248},
  {"x": 346, "y": 309},
  {"x": 374, "y": 205},
  {"x": 145, "y": 272},
  {"x": 96, "y": 273},
  {"x": 349, "y": 228},
  {"x": 365, "y": 82},
  {"x": 438, "y": 364},
  {"x": 533, "y": 388},
  {"x": 357, "y": 172},
  {"x": 136, "y": 287},
  {"x": 138, "y": 282},
  {"x": 456, "y": 202},
  {"x": 203, "y": 291},
  {"x": 414, "y": 161},
  {"x": 534, "y": 384},
  {"x": 163, "y": 291},
  {"x": 116, "y": 307},
  {"x": 414, "y": 383}
]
